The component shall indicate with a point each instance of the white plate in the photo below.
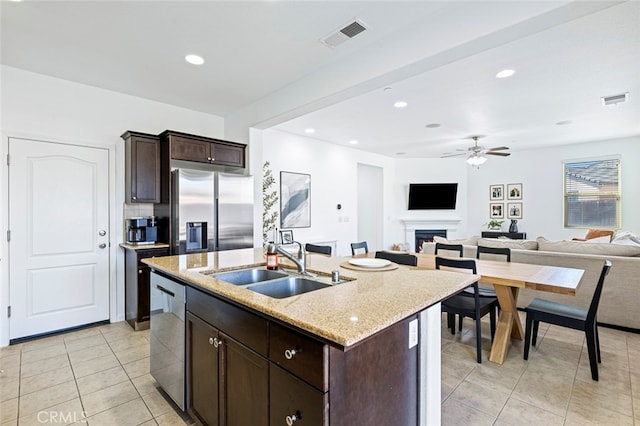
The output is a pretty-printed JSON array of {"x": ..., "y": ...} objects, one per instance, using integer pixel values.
[{"x": 370, "y": 263}]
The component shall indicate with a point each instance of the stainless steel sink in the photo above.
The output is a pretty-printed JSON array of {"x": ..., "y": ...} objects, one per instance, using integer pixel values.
[
  {"x": 291, "y": 286},
  {"x": 249, "y": 276}
]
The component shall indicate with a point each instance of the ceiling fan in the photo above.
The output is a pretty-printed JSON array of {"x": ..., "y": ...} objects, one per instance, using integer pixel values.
[{"x": 476, "y": 155}]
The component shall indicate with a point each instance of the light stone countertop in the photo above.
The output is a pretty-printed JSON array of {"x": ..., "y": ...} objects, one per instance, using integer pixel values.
[
  {"x": 344, "y": 314},
  {"x": 129, "y": 246}
]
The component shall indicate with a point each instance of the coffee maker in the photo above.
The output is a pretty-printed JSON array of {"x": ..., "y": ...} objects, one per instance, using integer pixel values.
[{"x": 141, "y": 230}]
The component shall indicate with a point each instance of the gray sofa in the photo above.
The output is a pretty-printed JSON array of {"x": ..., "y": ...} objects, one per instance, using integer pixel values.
[{"x": 621, "y": 293}]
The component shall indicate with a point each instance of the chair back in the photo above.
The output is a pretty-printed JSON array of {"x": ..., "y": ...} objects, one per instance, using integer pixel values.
[
  {"x": 506, "y": 251},
  {"x": 313, "y": 248},
  {"x": 400, "y": 258},
  {"x": 359, "y": 246},
  {"x": 449, "y": 247},
  {"x": 456, "y": 263},
  {"x": 593, "y": 307}
]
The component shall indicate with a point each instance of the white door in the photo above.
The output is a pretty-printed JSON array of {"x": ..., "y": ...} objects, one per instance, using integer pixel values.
[
  {"x": 370, "y": 182},
  {"x": 59, "y": 247}
]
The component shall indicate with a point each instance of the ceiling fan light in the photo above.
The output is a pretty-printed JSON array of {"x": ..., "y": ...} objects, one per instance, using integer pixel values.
[{"x": 476, "y": 160}]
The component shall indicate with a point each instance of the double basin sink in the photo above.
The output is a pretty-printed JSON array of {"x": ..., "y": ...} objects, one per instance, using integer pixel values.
[{"x": 276, "y": 284}]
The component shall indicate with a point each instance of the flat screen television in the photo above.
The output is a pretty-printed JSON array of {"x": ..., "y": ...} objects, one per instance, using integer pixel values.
[{"x": 432, "y": 196}]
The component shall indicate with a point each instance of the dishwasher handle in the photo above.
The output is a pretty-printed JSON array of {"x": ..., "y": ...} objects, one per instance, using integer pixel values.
[{"x": 164, "y": 290}]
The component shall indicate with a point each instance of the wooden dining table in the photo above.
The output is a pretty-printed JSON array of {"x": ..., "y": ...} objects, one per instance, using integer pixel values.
[{"x": 508, "y": 278}]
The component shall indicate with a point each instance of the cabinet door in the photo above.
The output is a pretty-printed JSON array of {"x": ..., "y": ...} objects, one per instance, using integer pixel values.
[
  {"x": 246, "y": 386},
  {"x": 190, "y": 149},
  {"x": 203, "y": 360},
  {"x": 227, "y": 155},
  {"x": 143, "y": 171},
  {"x": 294, "y": 401}
]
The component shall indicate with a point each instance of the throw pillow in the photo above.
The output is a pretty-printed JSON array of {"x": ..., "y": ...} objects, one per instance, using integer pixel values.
[
  {"x": 604, "y": 239},
  {"x": 512, "y": 244},
  {"x": 471, "y": 241},
  {"x": 626, "y": 238},
  {"x": 596, "y": 233}
]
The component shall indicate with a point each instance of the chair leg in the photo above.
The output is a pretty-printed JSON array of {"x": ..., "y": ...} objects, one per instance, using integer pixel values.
[
  {"x": 451, "y": 323},
  {"x": 595, "y": 327},
  {"x": 534, "y": 338},
  {"x": 591, "y": 348},
  {"x": 478, "y": 339},
  {"x": 527, "y": 336},
  {"x": 460, "y": 318},
  {"x": 492, "y": 321}
]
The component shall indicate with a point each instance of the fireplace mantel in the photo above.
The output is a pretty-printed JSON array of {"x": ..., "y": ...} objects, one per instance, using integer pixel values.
[{"x": 411, "y": 224}]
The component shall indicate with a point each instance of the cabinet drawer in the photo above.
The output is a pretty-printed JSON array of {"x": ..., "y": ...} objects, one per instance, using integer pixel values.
[
  {"x": 303, "y": 356},
  {"x": 147, "y": 253},
  {"x": 290, "y": 396},
  {"x": 246, "y": 327}
]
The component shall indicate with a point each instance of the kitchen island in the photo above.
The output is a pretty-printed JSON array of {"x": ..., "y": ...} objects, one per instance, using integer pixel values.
[{"x": 366, "y": 351}]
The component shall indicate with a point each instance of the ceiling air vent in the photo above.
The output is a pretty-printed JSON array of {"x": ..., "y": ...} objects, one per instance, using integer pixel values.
[
  {"x": 614, "y": 99},
  {"x": 348, "y": 31}
]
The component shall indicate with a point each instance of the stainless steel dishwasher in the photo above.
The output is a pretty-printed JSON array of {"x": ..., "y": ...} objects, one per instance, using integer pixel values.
[{"x": 167, "y": 336}]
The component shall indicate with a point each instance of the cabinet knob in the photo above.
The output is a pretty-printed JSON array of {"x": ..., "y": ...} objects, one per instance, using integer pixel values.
[
  {"x": 134, "y": 198},
  {"x": 212, "y": 159},
  {"x": 139, "y": 271},
  {"x": 289, "y": 353},
  {"x": 211, "y": 340},
  {"x": 217, "y": 343},
  {"x": 209, "y": 158},
  {"x": 291, "y": 419}
]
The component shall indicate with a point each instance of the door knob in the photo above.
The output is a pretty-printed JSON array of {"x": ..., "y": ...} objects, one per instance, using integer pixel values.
[
  {"x": 102, "y": 233},
  {"x": 103, "y": 245}
]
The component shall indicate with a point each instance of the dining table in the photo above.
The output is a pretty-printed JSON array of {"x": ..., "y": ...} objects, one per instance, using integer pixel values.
[{"x": 508, "y": 278}]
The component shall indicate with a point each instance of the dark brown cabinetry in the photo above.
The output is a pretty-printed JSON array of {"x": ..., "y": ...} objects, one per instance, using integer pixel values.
[
  {"x": 137, "y": 285},
  {"x": 227, "y": 381},
  {"x": 243, "y": 368},
  {"x": 142, "y": 167},
  {"x": 199, "y": 149}
]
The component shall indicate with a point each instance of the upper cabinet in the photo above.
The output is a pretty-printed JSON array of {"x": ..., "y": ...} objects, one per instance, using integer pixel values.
[
  {"x": 142, "y": 167},
  {"x": 204, "y": 150}
]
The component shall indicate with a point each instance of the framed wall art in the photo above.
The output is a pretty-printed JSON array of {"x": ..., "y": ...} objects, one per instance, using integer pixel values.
[
  {"x": 496, "y": 211},
  {"x": 295, "y": 200},
  {"x": 514, "y": 210},
  {"x": 496, "y": 192},
  {"x": 514, "y": 191},
  {"x": 286, "y": 237}
]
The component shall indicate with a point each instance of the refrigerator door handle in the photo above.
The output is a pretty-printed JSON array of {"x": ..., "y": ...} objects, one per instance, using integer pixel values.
[{"x": 216, "y": 240}]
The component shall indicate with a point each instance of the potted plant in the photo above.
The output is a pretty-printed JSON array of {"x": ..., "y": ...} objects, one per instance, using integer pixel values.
[{"x": 495, "y": 225}]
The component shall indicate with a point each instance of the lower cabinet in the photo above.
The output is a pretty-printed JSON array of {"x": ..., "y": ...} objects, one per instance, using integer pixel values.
[
  {"x": 227, "y": 384},
  {"x": 246, "y": 369}
]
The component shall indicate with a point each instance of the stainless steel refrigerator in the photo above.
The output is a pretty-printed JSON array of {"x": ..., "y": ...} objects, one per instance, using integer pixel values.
[{"x": 210, "y": 211}]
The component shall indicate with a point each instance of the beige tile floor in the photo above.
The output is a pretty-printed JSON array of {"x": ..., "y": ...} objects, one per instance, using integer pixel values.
[{"x": 100, "y": 376}]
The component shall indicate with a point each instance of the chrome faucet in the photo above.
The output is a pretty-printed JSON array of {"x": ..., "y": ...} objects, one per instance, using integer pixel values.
[{"x": 300, "y": 261}]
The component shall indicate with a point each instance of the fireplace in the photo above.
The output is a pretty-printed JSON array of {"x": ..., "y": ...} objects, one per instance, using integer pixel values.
[{"x": 426, "y": 235}]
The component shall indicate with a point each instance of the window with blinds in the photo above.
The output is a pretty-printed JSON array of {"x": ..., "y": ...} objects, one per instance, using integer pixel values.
[{"x": 592, "y": 194}]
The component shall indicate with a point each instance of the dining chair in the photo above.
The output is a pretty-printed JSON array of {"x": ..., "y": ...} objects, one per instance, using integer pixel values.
[
  {"x": 449, "y": 247},
  {"x": 359, "y": 246},
  {"x": 569, "y": 316},
  {"x": 314, "y": 248},
  {"x": 475, "y": 307},
  {"x": 399, "y": 258}
]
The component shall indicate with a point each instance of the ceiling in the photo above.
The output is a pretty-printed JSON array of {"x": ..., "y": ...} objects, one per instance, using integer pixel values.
[{"x": 264, "y": 64}]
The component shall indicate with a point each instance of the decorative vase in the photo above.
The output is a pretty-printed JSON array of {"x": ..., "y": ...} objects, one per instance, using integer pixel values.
[{"x": 514, "y": 226}]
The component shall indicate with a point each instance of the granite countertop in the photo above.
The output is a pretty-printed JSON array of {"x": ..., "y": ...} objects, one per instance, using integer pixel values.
[
  {"x": 345, "y": 313},
  {"x": 129, "y": 246}
]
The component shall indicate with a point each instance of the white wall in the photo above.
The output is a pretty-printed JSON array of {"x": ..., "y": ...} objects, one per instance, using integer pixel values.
[
  {"x": 334, "y": 173},
  {"x": 540, "y": 172},
  {"x": 45, "y": 108}
]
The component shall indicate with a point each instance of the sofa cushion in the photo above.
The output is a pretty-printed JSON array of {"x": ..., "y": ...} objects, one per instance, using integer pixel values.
[
  {"x": 471, "y": 241},
  {"x": 587, "y": 248},
  {"x": 512, "y": 244}
]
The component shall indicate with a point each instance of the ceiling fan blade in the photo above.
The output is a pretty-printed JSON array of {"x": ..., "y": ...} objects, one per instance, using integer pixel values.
[
  {"x": 501, "y": 154},
  {"x": 500, "y": 148},
  {"x": 453, "y": 155}
]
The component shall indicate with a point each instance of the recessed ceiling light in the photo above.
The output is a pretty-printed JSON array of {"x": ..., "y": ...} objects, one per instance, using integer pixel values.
[
  {"x": 386, "y": 89},
  {"x": 310, "y": 130},
  {"x": 432, "y": 125},
  {"x": 563, "y": 123},
  {"x": 505, "y": 73},
  {"x": 353, "y": 142},
  {"x": 400, "y": 104},
  {"x": 401, "y": 153},
  {"x": 194, "y": 59}
]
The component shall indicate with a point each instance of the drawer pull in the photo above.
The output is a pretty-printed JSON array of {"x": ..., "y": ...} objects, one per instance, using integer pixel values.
[
  {"x": 291, "y": 419},
  {"x": 289, "y": 353}
]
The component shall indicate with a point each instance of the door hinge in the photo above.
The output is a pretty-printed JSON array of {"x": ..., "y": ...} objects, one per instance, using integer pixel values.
[
  {"x": 8, "y": 235},
  {"x": 8, "y": 311}
]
